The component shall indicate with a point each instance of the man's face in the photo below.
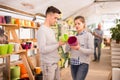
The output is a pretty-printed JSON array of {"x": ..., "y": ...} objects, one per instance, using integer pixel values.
[
  {"x": 99, "y": 26},
  {"x": 53, "y": 18}
]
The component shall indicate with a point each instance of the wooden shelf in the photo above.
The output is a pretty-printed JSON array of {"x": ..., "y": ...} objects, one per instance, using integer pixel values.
[
  {"x": 10, "y": 25},
  {"x": 32, "y": 49},
  {"x": 29, "y": 27},
  {"x": 18, "y": 52},
  {"x": 2, "y": 56},
  {"x": 10, "y": 28},
  {"x": 17, "y": 26},
  {"x": 24, "y": 40}
]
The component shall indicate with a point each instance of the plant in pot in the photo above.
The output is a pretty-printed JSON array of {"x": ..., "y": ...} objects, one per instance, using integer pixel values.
[{"x": 116, "y": 33}]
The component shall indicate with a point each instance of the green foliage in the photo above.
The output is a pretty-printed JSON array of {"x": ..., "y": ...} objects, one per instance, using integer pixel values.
[{"x": 115, "y": 32}]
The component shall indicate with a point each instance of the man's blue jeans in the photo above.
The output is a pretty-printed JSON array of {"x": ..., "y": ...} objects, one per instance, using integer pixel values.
[
  {"x": 79, "y": 72},
  {"x": 97, "y": 44}
]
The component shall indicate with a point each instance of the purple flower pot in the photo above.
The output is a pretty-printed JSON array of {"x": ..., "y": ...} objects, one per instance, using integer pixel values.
[
  {"x": 72, "y": 41},
  {"x": 26, "y": 45},
  {"x": 2, "y": 20},
  {"x": 7, "y": 19}
]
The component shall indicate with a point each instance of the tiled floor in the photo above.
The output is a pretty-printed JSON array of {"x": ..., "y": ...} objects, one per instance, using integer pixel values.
[{"x": 98, "y": 70}]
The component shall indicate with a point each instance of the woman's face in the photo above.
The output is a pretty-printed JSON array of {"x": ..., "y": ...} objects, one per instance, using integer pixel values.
[{"x": 79, "y": 25}]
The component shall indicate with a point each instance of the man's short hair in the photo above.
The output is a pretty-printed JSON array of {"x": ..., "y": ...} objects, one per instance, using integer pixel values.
[{"x": 53, "y": 10}]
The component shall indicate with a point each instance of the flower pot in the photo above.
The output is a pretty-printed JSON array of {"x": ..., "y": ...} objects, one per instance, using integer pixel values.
[
  {"x": 16, "y": 47},
  {"x": 29, "y": 23},
  {"x": 117, "y": 41},
  {"x": 7, "y": 19},
  {"x": 32, "y": 24},
  {"x": 10, "y": 48},
  {"x": 39, "y": 77},
  {"x": 22, "y": 23},
  {"x": 37, "y": 70},
  {"x": 17, "y": 21},
  {"x": 13, "y": 21},
  {"x": 15, "y": 72},
  {"x": 72, "y": 41},
  {"x": 23, "y": 71},
  {"x": 2, "y": 20},
  {"x": 64, "y": 38},
  {"x": 23, "y": 45},
  {"x": 3, "y": 49}
]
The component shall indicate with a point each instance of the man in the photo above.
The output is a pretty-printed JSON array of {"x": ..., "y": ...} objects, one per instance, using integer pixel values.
[
  {"x": 48, "y": 45},
  {"x": 98, "y": 36}
]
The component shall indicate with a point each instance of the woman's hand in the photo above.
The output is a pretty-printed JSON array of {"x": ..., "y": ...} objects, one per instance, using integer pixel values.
[{"x": 75, "y": 47}]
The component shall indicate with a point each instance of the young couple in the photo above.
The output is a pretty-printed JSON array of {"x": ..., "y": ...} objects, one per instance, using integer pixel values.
[{"x": 48, "y": 47}]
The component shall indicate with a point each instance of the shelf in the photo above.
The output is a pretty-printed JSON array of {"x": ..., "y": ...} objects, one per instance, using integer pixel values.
[
  {"x": 16, "y": 26},
  {"x": 29, "y": 27},
  {"x": 10, "y": 28},
  {"x": 32, "y": 49},
  {"x": 10, "y": 25},
  {"x": 25, "y": 40},
  {"x": 20, "y": 51}
]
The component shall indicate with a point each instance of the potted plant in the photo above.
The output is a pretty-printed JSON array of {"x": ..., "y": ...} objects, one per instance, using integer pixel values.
[{"x": 116, "y": 33}]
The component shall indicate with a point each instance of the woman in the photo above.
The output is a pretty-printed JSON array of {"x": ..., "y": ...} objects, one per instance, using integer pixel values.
[{"x": 80, "y": 54}]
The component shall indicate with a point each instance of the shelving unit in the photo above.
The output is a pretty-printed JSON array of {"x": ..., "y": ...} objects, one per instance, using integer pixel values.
[
  {"x": 10, "y": 29},
  {"x": 115, "y": 60},
  {"x": 115, "y": 54}
]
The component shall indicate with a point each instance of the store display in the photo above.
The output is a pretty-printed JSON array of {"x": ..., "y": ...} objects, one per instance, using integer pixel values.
[{"x": 11, "y": 31}]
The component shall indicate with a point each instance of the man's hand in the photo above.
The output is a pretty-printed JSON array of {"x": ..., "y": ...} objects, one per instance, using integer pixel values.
[{"x": 95, "y": 34}]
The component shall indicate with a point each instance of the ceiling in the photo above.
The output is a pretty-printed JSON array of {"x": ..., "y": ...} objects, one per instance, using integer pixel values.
[{"x": 67, "y": 7}]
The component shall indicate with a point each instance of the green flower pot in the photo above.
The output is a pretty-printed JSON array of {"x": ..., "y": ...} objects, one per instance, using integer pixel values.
[
  {"x": 13, "y": 21},
  {"x": 3, "y": 49},
  {"x": 15, "y": 72},
  {"x": 64, "y": 38},
  {"x": 10, "y": 48}
]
